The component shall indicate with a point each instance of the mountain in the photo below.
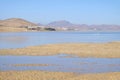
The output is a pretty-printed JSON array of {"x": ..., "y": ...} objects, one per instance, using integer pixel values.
[
  {"x": 15, "y": 22},
  {"x": 66, "y": 25},
  {"x": 58, "y": 25},
  {"x": 61, "y": 23},
  {"x": 102, "y": 27}
]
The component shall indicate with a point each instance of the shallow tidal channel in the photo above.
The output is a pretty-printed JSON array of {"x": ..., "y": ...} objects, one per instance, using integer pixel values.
[{"x": 60, "y": 63}]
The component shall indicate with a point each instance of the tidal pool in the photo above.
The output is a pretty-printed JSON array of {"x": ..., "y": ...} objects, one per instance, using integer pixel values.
[{"x": 61, "y": 63}]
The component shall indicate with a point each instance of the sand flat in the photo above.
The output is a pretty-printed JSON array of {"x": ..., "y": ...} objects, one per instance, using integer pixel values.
[
  {"x": 44, "y": 75},
  {"x": 107, "y": 50}
]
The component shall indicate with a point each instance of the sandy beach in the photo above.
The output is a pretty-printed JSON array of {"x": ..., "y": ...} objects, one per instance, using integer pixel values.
[{"x": 104, "y": 50}]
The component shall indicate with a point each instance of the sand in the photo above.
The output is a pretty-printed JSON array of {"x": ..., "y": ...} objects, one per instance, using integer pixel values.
[
  {"x": 105, "y": 50},
  {"x": 44, "y": 75}
]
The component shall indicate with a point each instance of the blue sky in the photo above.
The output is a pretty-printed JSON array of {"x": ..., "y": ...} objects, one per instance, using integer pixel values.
[{"x": 75, "y": 11}]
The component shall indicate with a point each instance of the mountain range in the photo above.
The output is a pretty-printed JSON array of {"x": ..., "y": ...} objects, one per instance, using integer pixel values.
[
  {"x": 59, "y": 25},
  {"x": 83, "y": 27}
]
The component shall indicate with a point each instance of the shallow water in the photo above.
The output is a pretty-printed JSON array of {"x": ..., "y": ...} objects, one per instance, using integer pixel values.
[
  {"x": 24, "y": 39},
  {"x": 61, "y": 62}
]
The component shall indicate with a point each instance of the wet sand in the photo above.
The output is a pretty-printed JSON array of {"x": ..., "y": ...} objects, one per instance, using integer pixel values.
[
  {"x": 44, "y": 75},
  {"x": 104, "y": 50}
]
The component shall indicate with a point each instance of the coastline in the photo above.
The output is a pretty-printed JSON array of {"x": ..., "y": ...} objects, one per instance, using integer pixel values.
[
  {"x": 99, "y": 50},
  {"x": 15, "y": 30}
]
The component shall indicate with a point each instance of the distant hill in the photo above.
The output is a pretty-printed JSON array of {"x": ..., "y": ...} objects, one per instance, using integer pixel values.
[
  {"x": 14, "y": 25},
  {"x": 83, "y": 27},
  {"x": 15, "y": 22},
  {"x": 57, "y": 25},
  {"x": 61, "y": 23}
]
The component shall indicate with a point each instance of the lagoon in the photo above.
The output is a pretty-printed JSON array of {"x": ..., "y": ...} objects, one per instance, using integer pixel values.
[
  {"x": 25, "y": 39},
  {"x": 61, "y": 63}
]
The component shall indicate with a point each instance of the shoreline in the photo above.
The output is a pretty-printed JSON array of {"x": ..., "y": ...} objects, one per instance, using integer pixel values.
[
  {"x": 98, "y": 50},
  {"x": 57, "y": 31}
]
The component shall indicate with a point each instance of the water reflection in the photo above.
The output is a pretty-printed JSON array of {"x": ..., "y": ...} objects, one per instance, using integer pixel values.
[
  {"x": 14, "y": 39},
  {"x": 24, "y": 39}
]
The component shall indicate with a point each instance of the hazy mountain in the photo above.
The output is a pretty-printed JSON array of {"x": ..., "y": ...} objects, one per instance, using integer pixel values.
[
  {"x": 61, "y": 23},
  {"x": 15, "y": 22},
  {"x": 83, "y": 27}
]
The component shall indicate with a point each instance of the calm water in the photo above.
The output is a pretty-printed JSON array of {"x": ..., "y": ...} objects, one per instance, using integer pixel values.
[
  {"x": 23, "y": 39},
  {"x": 61, "y": 63}
]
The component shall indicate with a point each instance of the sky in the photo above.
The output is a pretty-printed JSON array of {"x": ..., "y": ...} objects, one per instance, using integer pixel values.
[{"x": 75, "y": 11}]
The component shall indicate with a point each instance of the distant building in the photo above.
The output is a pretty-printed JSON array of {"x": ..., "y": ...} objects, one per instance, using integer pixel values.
[{"x": 34, "y": 28}]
